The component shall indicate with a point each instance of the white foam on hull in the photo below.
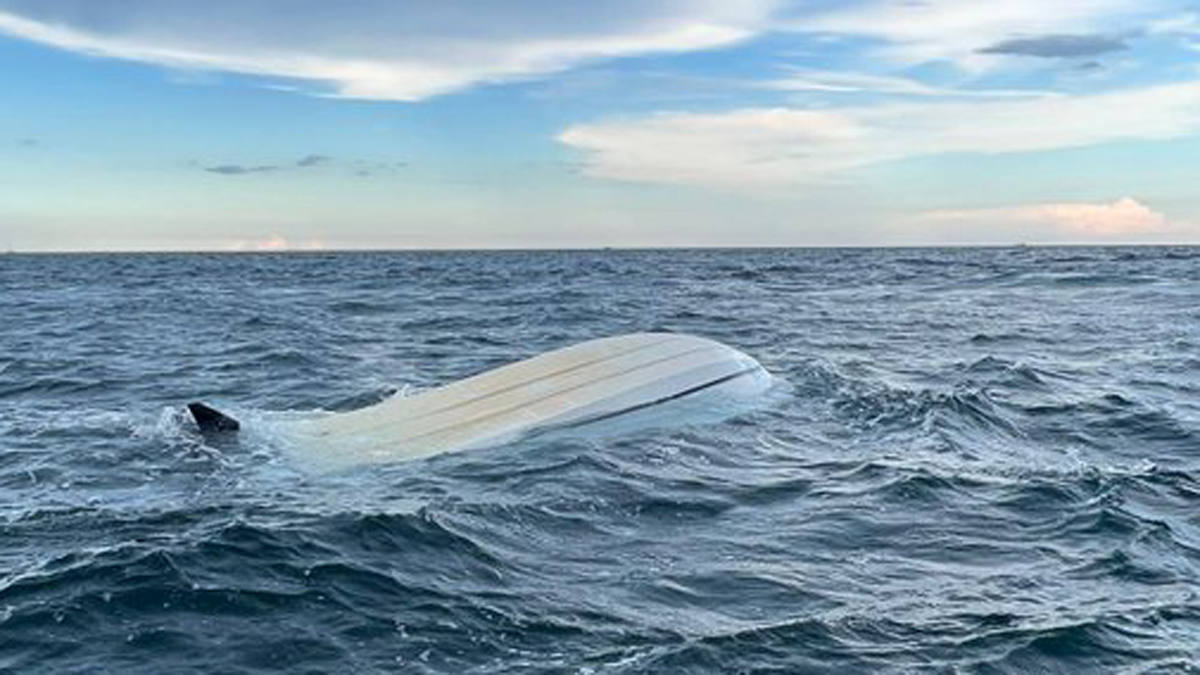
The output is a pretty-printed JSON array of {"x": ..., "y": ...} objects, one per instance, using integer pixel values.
[{"x": 585, "y": 386}]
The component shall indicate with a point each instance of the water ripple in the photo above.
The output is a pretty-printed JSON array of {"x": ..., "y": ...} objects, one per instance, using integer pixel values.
[{"x": 983, "y": 461}]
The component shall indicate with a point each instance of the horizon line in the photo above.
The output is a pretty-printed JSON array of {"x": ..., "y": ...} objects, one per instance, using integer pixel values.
[{"x": 566, "y": 249}]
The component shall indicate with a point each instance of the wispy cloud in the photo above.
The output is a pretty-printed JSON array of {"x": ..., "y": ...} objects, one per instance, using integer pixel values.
[
  {"x": 1187, "y": 23},
  {"x": 309, "y": 161},
  {"x": 364, "y": 168},
  {"x": 1059, "y": 46},
  {"x": 785, "y": 146},
  {"x": 835, "y": 82},
  {"x": 240, "y": 170},
  {"x": 850, "y": 83},
  {"x": 1184, "y": 28},
  {"x": 956, "y": 31},
  {"x": 305, "y": 162},
  {"x": 361, "y": 168},
  {"x": 379, "y": 49}
]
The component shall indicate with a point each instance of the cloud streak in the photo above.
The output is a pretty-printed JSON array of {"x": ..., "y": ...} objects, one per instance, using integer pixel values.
[
  {"x": 957, "y": 31},
  {"x": 377, "y": 49},
  {"x": 765, "y": 147},
  {"x": 408, "y": 51},
  {"x": 309, "y": 161},
  {"x": 305, "y": 162},
  {"x": 240, "y": 170},
  {"x": 360, "y": 168},
  {"x": 1058, "y": 46},
  {"x": 833, "y": 82}
]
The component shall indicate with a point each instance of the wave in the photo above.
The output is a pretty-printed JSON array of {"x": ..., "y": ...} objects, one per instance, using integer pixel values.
[{"x": 978, "y": 460}]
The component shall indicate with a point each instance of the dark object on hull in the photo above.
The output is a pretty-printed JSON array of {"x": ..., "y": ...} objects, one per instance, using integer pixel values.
[{"x": 211, "y": 421}]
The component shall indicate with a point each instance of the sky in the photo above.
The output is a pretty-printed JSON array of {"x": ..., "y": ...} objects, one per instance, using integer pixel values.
[{"x": 397, "y": 124}]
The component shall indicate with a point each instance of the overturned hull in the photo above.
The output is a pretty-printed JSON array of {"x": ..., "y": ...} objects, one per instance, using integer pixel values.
[{"x": 586, "y": 384}]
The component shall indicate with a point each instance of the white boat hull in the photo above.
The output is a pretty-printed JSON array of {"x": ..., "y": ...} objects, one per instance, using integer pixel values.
[{"x": 578, "y": 386}]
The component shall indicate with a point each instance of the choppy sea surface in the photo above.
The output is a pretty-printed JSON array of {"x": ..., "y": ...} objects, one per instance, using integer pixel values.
[{"x": 985, "y": 461}]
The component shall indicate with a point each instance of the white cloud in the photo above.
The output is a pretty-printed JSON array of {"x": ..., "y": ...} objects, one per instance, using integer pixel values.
[
  {"x": 1125, "y": 217},
  {"x": 411, "y": 50},
  {"x": 955, "y": 30},
  {"x": 782, "y": 146},
  {"x": 380, "y": 49},
  {"x": 753, "y": 146},
  {"x": 1185, "y": 28},
  {"x": 1186, "y": 24},
  {"x": 849, "y": 83},
  {"x": 835, "y": 82},
  {"x": 274, "y": 242}
]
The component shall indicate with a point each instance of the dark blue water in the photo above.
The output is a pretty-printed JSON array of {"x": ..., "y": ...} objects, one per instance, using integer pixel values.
[{"x": 988, "y": 462}]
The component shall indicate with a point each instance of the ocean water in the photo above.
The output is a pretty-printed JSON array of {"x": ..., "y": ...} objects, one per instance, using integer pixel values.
[{"x": 983, "y": 461}]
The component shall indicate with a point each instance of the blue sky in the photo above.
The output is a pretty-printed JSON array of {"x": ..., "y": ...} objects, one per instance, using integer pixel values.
[{"x": 264, "y": 124}]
